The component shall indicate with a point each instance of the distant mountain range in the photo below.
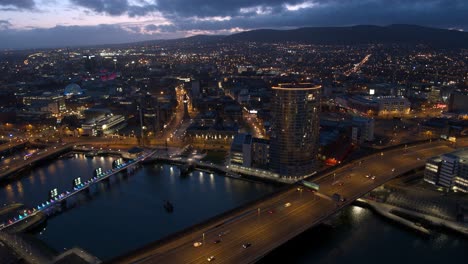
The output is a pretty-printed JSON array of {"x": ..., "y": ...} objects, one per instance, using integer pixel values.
[{"x": 398, "y": 34}]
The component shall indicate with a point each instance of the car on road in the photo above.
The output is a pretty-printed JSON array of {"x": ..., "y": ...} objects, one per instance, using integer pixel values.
[
  {"x": 211, "y": 258},
  {"x": 287, "y": 204},
  {"x": 197, "y": 244},
  {"x": 367, "y": 175},
  {"x": 217, "y": 241},
  {"x": 246, "y": 245},
  {"x": 373, "y": 177},
  {"x": 271, "y": 211}
]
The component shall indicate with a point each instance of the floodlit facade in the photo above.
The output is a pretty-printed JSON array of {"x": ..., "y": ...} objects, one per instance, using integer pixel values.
[
  {"x": 449, "y": 170},
  {"x": 103, "y": 126},
  {"x": 377, "y": 105},
  {"x": 295, "y": 129}
]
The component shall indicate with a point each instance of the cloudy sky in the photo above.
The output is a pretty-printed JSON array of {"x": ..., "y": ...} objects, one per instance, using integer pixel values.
[{"x": 56, "y": 23}]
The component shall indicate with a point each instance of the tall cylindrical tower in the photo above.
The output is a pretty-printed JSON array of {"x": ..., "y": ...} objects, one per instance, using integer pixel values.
[{"x": 295, "y": 129}]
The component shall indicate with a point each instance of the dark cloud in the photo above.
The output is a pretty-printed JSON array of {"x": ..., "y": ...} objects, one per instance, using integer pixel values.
[
  {"x": 19, "y": 4},
  {"x": 224, "y": 16},
  {"x": 196, "y": 14},
  {"x": 63, "y": 36},
  {"x": 279, "y": 14},
  {"x": 4, "y": 24},
  {"x": 161, "y": 28},
  {"x": 111, "y": 7},
  {"x": 116, "y": 7},
  {"x": 151, "y": 27},
  {"x": 209, "y": 8}
]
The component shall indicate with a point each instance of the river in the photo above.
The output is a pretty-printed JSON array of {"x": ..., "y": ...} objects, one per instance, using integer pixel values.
[{"x": 128, "y": 213}]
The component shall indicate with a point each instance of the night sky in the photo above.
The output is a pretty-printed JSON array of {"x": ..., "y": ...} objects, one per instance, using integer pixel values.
[{"x": 54, "y": 23}]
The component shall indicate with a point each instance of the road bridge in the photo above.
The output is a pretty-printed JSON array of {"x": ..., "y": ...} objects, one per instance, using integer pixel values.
[
  {"x": 50, "y": 152},
  {"x": 252, "y": 231},
  {"x": 5, "y": 147}
]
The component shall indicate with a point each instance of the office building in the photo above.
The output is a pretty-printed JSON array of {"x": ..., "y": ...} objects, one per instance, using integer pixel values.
[
  {"x": 449, "y": 170},
  {"x": 362, "y": 129},
  {"x": 103, "y": 126},
  {"x": 241, "y": 150},
  {"x": 376, "y": 105},
  {"x": 295, "y": 129},
  {"x": 249, "y": 152},
  {"x": 54, "y": 103}
]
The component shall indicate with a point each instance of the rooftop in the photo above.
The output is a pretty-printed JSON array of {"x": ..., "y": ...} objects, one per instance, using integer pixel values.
[{"x": 296, "y": 86}]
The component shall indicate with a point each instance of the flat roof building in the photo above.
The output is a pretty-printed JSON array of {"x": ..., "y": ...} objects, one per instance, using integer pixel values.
[{"x": 449, "y": 170}]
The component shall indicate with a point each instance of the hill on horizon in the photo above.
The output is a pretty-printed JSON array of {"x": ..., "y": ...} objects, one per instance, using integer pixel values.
[{"x": 354, "y": 35}]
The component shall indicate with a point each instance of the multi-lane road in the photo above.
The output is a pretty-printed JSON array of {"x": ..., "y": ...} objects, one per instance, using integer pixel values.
[
  {"x": 37, "y": 156},
  {"x": 267, "y": 224},
  {"x": 11, "y": 145}
]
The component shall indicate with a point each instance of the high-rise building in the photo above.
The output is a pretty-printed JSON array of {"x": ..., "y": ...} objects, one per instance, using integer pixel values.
[
  {"x": 150, "y": 111},
  {"x": 295, "y": 129}
]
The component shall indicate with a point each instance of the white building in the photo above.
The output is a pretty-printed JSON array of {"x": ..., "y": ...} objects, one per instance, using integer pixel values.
[
  {"x": 103, "y": 126},
  {"x": 449, "y": 170},
  {"x": 241, "y": 150},
  {"x": 377, "y": 105}
]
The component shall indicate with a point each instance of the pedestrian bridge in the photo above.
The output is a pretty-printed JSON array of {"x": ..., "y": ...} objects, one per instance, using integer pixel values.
[{"x": 60, "y": 199}]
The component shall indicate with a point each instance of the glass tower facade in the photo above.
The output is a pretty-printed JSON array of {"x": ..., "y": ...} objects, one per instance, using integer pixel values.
[{"x": 295, "y": 129}]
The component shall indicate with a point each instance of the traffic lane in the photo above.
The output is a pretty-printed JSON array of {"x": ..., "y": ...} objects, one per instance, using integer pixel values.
[
  {"x": 431, "y": 147},
  {"x": 383, "y": 174},
  {"x": 284, "y": 227},
  {"x": 196, "y": 236},
  {"x": 364, "y": 182},
  {"x": 296, "y": 222},
  {"x": 263, "y": 228},
  {"x": 391, "y": 161},
  {"x": 210, "y": 237},
  {"x": 236, "y": 236},
  {"x": 364, "y": 162}
]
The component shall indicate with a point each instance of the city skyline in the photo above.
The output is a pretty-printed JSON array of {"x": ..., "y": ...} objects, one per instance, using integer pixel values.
[
  {"x": 292, "y": 144},
  {"x": 51, "y": 23}
]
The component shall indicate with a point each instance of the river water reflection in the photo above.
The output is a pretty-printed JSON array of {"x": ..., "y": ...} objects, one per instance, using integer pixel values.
[{"x": 127, "y": 213}]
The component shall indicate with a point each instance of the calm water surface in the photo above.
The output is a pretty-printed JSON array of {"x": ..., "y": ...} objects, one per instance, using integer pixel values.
[
  {"x": 357, "y": 235},
  {"x": 128, "y": 213}
]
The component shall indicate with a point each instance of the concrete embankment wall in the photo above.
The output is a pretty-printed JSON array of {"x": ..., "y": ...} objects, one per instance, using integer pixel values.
[{"x": 390, "y": 215}]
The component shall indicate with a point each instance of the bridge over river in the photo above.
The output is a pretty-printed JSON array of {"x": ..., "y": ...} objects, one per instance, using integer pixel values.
[
  {"x": 246, "y": 234},
  {"x": 57, "y": 199}
]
